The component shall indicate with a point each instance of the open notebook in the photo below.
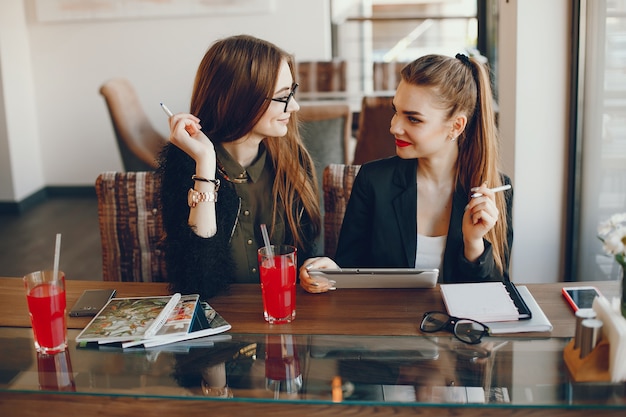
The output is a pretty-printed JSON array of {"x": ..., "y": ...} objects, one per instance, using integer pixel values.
[
  {"x": 539, "y": 322},
  {"x": 485, "y": 301}
]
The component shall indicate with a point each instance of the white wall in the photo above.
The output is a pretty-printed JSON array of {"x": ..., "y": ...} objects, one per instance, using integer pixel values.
[
  {"x": 533, "y": 100},
  {"x": 20, "y": 159},
  {"x": 68, "y": 119}
]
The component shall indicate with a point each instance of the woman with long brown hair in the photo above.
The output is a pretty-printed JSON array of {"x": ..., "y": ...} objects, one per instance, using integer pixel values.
[
  {"x": 433, "y": 204},
  {"x": 239, "y": 142}
]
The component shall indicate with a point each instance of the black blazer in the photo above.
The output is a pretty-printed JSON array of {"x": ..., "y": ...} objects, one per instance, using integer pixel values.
[{"x": 380, "y": 225}]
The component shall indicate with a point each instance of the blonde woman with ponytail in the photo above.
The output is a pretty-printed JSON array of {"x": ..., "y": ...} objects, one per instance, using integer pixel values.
[{"x": 432, "y": 205}]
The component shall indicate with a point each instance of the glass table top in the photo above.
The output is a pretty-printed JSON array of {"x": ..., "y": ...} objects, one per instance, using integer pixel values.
[{"x": 498, "y": 372}]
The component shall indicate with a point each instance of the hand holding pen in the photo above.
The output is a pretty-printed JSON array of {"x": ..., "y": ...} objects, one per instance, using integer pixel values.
[
  {"x": 190, "y": 128},
  {"x": 186, "y": 133},
  {"x": 481, "y": 215}
]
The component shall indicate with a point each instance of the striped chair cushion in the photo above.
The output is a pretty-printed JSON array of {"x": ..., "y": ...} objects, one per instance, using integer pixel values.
[
  {"x": 337, "y": 187},
  {"x": 130, "y": 227}
]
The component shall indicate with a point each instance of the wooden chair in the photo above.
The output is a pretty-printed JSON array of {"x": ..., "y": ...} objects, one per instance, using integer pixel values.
[
  {"x": 139, "y": 143},
  {"x": 338, "y": 181},
  {"x": 321, "y": 75},
  {"x": 373, "y": 140},
  {"x": 386, "y": 75},
  {"x": 130, "y": 227}
]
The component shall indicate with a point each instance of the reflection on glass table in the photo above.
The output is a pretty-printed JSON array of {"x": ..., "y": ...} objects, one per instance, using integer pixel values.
[{"x": 311, "y": 368}]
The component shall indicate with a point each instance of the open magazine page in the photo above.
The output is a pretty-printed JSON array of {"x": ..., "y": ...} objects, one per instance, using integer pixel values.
[
  {"x": 125, "y": 319},
  {"x": 179, "y": 322},
  {"x": 209, "y": 322}
]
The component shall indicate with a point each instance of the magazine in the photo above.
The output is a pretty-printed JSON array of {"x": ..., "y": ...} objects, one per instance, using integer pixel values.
[
  {"x": 152, "y": 321},
  {"x": 206, "y": 322}
]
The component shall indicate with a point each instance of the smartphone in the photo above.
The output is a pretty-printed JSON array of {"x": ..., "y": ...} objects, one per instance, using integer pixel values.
[
  {"x": 91, "y": 302},
  {"x": 580, "y": 297}
]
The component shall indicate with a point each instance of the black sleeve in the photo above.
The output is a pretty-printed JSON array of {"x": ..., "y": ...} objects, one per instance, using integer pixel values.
[
  {"x": 194, "y": 264},
  {"x": 484, "y": 268}
]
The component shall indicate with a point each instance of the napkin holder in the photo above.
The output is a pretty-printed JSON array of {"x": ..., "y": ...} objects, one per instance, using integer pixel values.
[
  {"x": 593, "y": 367},
  {"x": 607, "y": 360}
]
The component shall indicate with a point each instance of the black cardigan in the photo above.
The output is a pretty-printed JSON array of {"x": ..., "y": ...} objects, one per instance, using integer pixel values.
[
  {"x": 379, "y": 227},
  {"x": 196, "y": 264}
]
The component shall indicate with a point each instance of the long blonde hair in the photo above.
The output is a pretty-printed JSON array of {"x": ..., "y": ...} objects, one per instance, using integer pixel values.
[
  {"x": 462, "y": 86},
  {"x": 234, "y": 81}
]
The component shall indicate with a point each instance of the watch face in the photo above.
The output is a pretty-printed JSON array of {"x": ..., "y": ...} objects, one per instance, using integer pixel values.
[{"x": 191, "y": 198}]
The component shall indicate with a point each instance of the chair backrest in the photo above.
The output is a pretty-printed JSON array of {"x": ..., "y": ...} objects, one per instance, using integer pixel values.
[
  {"x": 322, "y": 75},
  {"x": 338, "y": 181},
  {"x": 131, "y": 226},
  {"x": 326, "y": 131},
  {"x": 386, "y": 75},
  {"x": 139, "y": 143},
  {"x": 373, "y": 139}
]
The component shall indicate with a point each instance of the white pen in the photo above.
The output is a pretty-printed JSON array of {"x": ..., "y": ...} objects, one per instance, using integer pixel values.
[
  {"x": 495, "y": 190},
  {"x": 166, "y": 110}
]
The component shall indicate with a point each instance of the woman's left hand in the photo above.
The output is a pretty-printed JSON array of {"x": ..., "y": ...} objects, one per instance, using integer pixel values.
[
  {"x": 481, "y": 215},
  {"x": 317, "y": 285}
]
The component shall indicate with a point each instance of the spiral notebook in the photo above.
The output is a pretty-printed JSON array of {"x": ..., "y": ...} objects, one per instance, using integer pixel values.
[
  {"x": 485, "y": 301},
  {"x": 538, "y": 323}
]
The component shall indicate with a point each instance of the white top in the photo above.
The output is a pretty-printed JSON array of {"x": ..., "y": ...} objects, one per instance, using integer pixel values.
[{"x": 429, "y": 252}]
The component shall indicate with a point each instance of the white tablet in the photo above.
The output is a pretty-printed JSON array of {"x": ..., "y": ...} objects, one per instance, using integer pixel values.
[{"x": 379, "y": 277}]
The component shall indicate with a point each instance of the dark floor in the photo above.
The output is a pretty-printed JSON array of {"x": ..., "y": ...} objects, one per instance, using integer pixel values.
[{"x": 27, "y": 240}]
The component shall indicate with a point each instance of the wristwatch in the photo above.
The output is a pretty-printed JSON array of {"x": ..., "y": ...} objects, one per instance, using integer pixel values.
[{"x": 194, "y": 197}]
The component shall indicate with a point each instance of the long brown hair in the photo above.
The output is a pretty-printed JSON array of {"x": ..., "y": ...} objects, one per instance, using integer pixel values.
[
  {"x": 462, "y": 85},
  {"x": 230, "y": 95}
]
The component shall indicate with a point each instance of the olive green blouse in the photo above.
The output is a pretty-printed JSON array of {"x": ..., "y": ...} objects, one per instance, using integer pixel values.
[{"x": 254, "y": 188}]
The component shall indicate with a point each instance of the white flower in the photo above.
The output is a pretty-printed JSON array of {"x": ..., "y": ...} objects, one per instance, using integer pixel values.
[
  {"x": 613, "y": 243},
  {"x": 612, "y": 233}
]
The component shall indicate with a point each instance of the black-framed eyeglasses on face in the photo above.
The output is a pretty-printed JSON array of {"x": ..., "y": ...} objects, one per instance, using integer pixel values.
[
  {"x": 466, "y": 330},
  {"x": 288, "y": 97}
]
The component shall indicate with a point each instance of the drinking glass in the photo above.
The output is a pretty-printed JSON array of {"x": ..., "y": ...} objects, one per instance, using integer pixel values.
[
  {"x": 45, "y": 294},
  {"x": 278, "y": 283}
]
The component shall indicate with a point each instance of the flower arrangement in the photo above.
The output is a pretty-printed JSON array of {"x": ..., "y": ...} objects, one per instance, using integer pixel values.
[{"x": 612, "y": 233}]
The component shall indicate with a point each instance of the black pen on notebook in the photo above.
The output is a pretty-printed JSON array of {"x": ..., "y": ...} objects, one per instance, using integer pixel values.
[{"x": 495, "y": 190}]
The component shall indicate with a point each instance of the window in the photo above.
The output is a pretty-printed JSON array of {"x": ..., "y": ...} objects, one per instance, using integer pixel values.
[
  {"x": 371, "y": 32},
  {"x": 601, "y": 143}
]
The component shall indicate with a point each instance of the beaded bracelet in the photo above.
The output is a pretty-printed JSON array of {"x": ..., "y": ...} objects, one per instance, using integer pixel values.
[{"x": 216, "y": 182}]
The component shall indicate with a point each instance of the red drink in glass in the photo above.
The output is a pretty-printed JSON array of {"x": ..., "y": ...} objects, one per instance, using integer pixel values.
[
  {"x": 46, "y": 307},
  {"x": 278, "y": 283}
]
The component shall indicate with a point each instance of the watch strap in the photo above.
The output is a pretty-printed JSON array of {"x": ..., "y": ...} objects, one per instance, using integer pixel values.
[{"x": 194, "y": 197}]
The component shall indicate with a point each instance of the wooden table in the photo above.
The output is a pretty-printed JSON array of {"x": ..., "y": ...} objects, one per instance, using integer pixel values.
[
  {"x": 345, "y": 311},
  {"x": 341, "y": 312}
]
